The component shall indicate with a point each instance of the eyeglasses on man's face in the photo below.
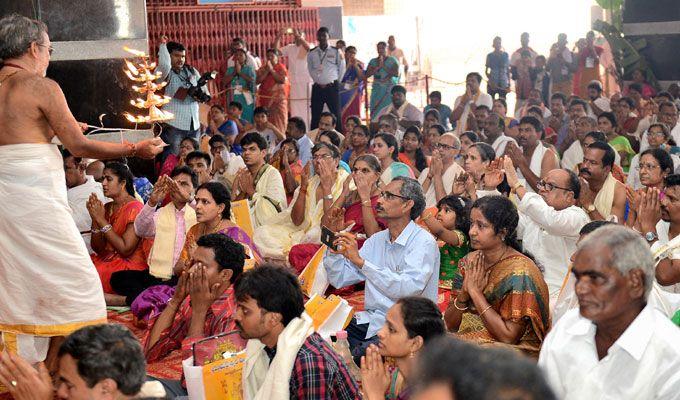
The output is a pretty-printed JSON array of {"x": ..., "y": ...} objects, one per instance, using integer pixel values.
[
  {"x": 391, "y": 196},
  {"x": 549, "y": 187}
]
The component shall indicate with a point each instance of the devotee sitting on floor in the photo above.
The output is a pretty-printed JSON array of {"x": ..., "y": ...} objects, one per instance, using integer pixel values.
[
  {"x": 186, "y": 146},
  {"x": 261, "y": 125},
  {"x": 533, "y": 160},
  {"x": 494, "y": 133},
  {"x": 297, "y": 130},
  {"x": 549, "y": 221},
  {"x": 219, "y": 123},
  {"x": 450, "y": 227},
  {"x": 602, "y": 196},
  {"x": 96, "y": 362},
  {"x": 443, "y": 111},
  {"x": 331, "y": 137},
  {"x": 437, "y": 180},
  {"x": 410, "y": 324},
  {"x": 502, "y": 299},
  {"x": 482, "y": 175},
  {"x": 327, "y": 122},
  {"x": 259, "y": 183},
  {"x": 385, "y": 147},
  {"x": 606, "y": 123},
  {"x": 283, "y": 351},
  {"x": 595, "y": 136},
  {"x": 353, "y": 210},
  {"x": 96, "y": 170},
  {"x": 79, "y": 189},
  {"x": 203, "y": 304},
  {"x": 465, "y": 105},
  {"x": 656, "y": 165},
  {"x": 467, "y": 139},
  {"x": 117, "y": 246},
  {"x": 488, "y": 374},
  {"x": 388, "y": 123},
  {"x": 658, "y": 137},
  {"x": 402, "y": 260},
  {"x": 357, "y": 144},
  {"x": 290, "y": 166},
  {"x": 411, "y": 152},
  {"x": 225, "y": 164},
  {"x": 574, "y": 154},
  {"x": 167, "y": 226},
  {"x": 199, "y": 162},
  {"x": 608, "y": 346},
  {"x": 300, "y": 222},
  {"x": 431, "y": 135},
  {"x": 406, "y": 113}
]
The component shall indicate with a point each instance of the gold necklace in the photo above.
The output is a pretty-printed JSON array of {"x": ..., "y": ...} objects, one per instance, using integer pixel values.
[{"x": 214, "y": 229}]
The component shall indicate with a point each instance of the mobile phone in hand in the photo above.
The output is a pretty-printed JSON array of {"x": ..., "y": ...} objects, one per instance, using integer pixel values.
[{"x": 328, "y": 237}]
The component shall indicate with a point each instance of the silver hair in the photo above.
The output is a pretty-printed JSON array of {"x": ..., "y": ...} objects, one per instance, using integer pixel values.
[
  {"x": 17, "y": 33},
  {"x": 390, "y": 119},
  {"x": 411, "y": 189},
  {"x": 628, "y": 249}
]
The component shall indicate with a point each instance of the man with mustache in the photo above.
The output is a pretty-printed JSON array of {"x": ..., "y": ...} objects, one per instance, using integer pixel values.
[
  {"x": 602, "y": 196},
  {"x": 616, "y": 345},
  {"x": 402, "y": 260}
]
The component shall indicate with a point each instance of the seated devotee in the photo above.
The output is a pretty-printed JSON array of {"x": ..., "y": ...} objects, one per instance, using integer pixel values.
[
  {"x": 549, "y": 136},
  {"x": 199, "y": 162},
  {"x": 502, "y": 299},
  {"x": 402, "y": 260},
  {"x": 659, "y": 222},
  {"x": 477, "y": 121},
  {"x": 327, "y": 122},
  {"x": 602, "y": 196},
  {"x": 606, "y": 348},
  {"x": 407, "y": 114},
  {"x": 261, "y": 125},
  {"x": 598, "y": 104},
  {"x": 606, "y": 123},
  {"x": 354, "y": 209},
  {"x": 225, "y": 164},
  {"x": 467, "y": 139},
  {"x": 297, "y": 130},
  {"x": 389, "y": 123},
  {"x": 167, "y": 226},
  {"x": 494, "y": 133},
  {"x": 443, "y": 111},
  {"x": 410, "y": 324},
  {"x": 488, "y": 374},
  {"x": 202, "y": 306},
  {"x": 431, "y": 135},
  {"x": 465, "y": 105},
  {"x": 450, "y": 226},
  {"x": 549, "y": 221},
  {"x": 411, "y": 152},
  {"x": 331, "y": 137},
  {"x": 667, "y": 115},
  {"x": 566, "y": 135},
  {"x": 287, "y": 161},
  {"x": 117, "y": 246},
  {"x": 259, "y": 183},
  {"x": 533, "y": 160},
  {"x": 213, "y": 215},
  {"x": 500, "y": 107},
  {"x": 283, "y": 351},
  {"x": 437, "y": 180},
  {"x": 79, "y": 188},
  {"x": 186, "y": 146},
  {"x": 299, "y": 223},
  {"x": 596, "y": 136},
  {"x": 96, "y": 170},
  {"x": 357, "y": 144},
  {"x": 353, "y": 121},
  {"x": 219, "y": 123},
  {"x": 626, "y": 117},
  {"x": 95, "y": 362},
  {"x": 654, "y": 167},
  {"x": 385, "y": 147},
  {"x": 658, "y": 137},
  {"x": 482, "y": 175}
]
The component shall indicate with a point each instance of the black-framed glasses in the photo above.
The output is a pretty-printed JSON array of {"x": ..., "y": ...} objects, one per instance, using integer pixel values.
[
  {"x": 444, "y": 146},
  {"x": 550, "y": 186},
  {"x": 321, "y": 156},
  {"x": 390, "y": 196}
]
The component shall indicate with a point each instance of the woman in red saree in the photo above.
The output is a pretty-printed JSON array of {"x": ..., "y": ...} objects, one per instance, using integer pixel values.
[
  {"x": 117, "y": 246},
  {"x": 274, "y": 89},
  {"x": 355, "y": 208}
]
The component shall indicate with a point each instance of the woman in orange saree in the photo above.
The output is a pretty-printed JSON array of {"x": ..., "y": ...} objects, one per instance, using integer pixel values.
[
  {"x": 274, "y": 89},
  {"x": 503, "y": 298}
]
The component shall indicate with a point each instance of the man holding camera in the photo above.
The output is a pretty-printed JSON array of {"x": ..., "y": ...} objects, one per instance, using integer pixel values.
[{"x": 184, "y": 89}]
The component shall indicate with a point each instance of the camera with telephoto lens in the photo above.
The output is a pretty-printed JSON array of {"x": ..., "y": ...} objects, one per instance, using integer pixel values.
[{"x": 195, "y": 91}]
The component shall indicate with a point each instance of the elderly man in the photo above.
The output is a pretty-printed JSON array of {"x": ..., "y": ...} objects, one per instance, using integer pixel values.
[
  {"x": 407, "y": 114},
  {"x": 616, "y": 346},
  {"x": 41, "y": 246},
  {"x": 602, "y": 196},
  {"x": 549, "y": 221},
  {"x": 402, "y": 260},
  {"x": 327, "y": 122},
  {"x": 437, "y": 179}
]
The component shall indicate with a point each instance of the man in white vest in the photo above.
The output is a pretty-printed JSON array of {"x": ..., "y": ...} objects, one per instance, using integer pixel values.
[{"x": 533, "y": 160}]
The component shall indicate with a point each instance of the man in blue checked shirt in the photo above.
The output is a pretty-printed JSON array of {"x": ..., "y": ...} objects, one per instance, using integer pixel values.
[
  {"x": 180, "y": 77},
  {"x": 402, "y": 260}
]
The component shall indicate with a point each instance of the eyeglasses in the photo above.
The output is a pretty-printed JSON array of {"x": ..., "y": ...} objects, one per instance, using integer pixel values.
[
  {"x": 658, "y": 134},
  {"x": 50, "y": 49},
  {"x": 649, "y": 167},
  {"x": 291, "y": 151},
  {"x": 321, "y": 157},
  {"x": 391, "y": 196},
  {"x": 444, "y": 146},
  {"x": 550, "y": 186}
]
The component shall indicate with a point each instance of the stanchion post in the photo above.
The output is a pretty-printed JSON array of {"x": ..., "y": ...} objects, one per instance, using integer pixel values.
[
  {"x": 367, "y": 103},
  {"x": 427, "y": 89}
]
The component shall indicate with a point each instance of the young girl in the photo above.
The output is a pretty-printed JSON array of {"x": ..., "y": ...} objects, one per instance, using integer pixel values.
[{"x": 450, "y": 227}]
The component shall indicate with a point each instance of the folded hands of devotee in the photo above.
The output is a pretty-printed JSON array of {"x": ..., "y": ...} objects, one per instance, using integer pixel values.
[
  {"x": 515, "y": 153},
  {"x": 649, "y": 210},
  {"x": 587, "y": 196},
  {"x": 96, "y": 209},
  {"x": 375, "y": 374},
  {"x": 476, "y": 275},
  {"x": 493, "y": 174},
  {"x": 464, "y": 185},
  {"x": 243, "y": 183},
  {"x": 23, "y": 381}
]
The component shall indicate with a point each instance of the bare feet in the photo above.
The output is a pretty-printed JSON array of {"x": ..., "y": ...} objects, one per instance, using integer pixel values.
[{"x": 114, "y": 300}]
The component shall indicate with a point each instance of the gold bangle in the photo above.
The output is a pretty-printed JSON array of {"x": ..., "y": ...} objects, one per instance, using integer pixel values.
[
  {"x": 485, "y": 310},
  {"x": 455, "y": 300},
  {"x": 367, "y": 203}
]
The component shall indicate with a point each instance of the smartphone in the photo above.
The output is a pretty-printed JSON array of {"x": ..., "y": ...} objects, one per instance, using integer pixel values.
[
  {"x": 328, "y": 237},
  {"x": 289, "y": 30}
]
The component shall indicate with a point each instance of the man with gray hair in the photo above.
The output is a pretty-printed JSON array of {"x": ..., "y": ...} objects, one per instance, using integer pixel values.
[
  {"x": 41, "y": 246},
  {"x": 616, "y": 346},
  {"x": 402, "y": 260}
]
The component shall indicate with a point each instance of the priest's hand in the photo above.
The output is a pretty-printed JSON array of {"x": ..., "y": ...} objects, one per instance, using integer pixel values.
[{"x": 149, "y": 148}]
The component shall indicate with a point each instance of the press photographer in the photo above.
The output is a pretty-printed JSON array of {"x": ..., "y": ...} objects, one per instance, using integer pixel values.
[{"x": 187, "y": 88}]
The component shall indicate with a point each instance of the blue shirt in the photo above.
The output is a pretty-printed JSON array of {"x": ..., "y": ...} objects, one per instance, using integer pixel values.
[
  {"x": 325, "y": 66},
  {"x": 305, "y": 145},
  {"x": 444, "y": 114},
  {"x": 409, "y": 266},
  {"x": 498, "y": 64}
]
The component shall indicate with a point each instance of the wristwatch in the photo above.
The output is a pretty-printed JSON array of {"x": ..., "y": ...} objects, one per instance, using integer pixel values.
[
  {"x": 651, "y": 236},
  {"x": 590, "y": 208},
  {"x": 328, "y": 197}
]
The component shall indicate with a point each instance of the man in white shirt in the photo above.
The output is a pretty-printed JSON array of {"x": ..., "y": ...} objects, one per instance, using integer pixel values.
[
  {"x": 79, "y": 188},
  {"x": 437, "y": 179},
  {"x": 465, "y": 104},
  {"x": 574, "y": 154},
  {"x": 407, "y": 114},
  {"x": 298, "y": 75},
  {"x": 598, "y": 104},
  {"x": 494, "y": 127},
  {"x": 327, "y": 122},
  {"x": 549, "y": 222},
  {"x": 615, "y": 346},
  {"x": 533, "y": 159}
]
